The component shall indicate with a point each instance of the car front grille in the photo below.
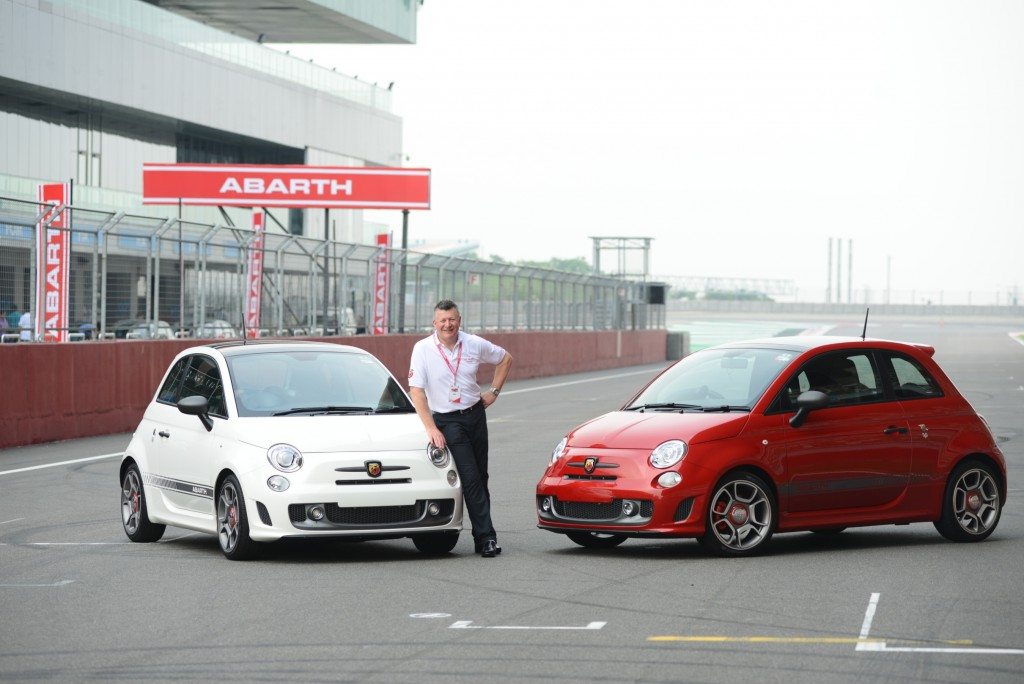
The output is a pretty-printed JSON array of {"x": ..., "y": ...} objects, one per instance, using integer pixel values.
[
  {"x": 590, "y": 510},
  {"x": 361, "y": 517}
]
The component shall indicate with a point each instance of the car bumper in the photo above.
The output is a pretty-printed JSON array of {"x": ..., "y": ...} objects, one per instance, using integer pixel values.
[
  {"x": 581, "y": 505},
  {"x": 364, "y": 511}
]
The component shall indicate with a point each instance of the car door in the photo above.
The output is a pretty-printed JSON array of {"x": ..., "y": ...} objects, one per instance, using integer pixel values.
[
  {"x": 186, "y": 448},
  {"x": 854, "y": 453}
]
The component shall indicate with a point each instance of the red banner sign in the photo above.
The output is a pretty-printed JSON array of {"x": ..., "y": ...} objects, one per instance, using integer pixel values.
[
  {"x": 380, "y": 286},
  {"x": 254, "y": 290},
  {"x": 243, "y": 185},
  {"x": 53, "y": 242}
]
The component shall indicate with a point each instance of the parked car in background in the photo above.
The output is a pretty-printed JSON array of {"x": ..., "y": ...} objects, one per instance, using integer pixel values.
[
  {"x": 216, "y": 329},
  {"x": 737, "y": 442},
  {"x": 161, "y": 330},
  {"x": 257, "y": 441}
]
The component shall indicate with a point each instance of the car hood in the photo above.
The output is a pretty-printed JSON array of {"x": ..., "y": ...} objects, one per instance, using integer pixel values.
[
  {"x": 324, "y": 434},
  {"x": 632, "y": 430}
]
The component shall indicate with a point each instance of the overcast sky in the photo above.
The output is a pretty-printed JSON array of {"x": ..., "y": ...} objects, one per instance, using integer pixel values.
[{"x": 739, "y": 135}]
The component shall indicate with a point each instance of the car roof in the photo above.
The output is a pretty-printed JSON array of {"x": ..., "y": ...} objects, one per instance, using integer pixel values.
[
  {"x": 230, "y": 348},
  {"x": 803, "y": 343}
]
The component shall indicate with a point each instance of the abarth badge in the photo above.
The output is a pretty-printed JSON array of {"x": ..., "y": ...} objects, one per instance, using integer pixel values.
[
  {"x": 373, "y": 468},
  {"x": 590, "y": 464}
]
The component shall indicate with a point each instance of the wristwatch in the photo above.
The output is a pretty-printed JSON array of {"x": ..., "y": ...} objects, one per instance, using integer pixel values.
[{"x": 495, "y": 391}]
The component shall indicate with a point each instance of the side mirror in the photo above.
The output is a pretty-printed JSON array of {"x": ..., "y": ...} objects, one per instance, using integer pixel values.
[
  {"x": 197, "y": 406},
  {"x": 805, "y": 403}
]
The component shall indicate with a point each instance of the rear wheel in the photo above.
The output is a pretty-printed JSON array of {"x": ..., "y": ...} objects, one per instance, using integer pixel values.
[
  {"x": 233, "y": 523},
  {"x": 740, "y": 516},
  {"x": 134, "y": 516},
  {"x": 436, "y": 544},
  {"x": 971, "y": 505},
  {"x": 596, "y": 540}
]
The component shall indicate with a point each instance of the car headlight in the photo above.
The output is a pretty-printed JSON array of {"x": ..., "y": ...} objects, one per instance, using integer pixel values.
[
  {"x": 439, "y": 456},
  {"x": 559, "y": 449},
  {"x": 285, "y": 457},
  {"x": 668, "y": 453}
]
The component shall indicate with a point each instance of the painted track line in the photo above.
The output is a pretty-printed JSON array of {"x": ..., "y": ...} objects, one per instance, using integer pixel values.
[{"x": 61, "y": 463}]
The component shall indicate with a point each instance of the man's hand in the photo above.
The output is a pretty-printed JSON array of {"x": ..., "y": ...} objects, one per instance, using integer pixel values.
[
  {"x": 488, "y": 398},
  {"x": 436, "y": 437}
]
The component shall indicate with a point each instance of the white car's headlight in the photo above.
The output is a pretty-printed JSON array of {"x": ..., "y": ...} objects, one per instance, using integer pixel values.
[
  {"x": 438, "y": 456},
  {"x": 668, "y": 453},
  {"x": 559, "y": 449},
  {"x": 285, "y": 457}
]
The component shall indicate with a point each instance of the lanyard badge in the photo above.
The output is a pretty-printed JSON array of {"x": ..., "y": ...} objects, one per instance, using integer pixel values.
[{"x": 454, "y": 394}]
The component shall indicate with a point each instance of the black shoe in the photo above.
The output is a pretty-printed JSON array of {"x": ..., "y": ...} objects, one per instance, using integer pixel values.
[{"x": 490, "y": 549}]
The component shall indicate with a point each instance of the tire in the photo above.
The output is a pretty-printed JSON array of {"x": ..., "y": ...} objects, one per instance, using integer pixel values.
[
  {"x": 740, "y": 517},
  {"x": 596, "y": 540},
  {"x": 233, "y": 523},
  {"x": 436, "y": 544},
  {"x": 134, "y": 513},
  {"x": 971, "y": 505}
]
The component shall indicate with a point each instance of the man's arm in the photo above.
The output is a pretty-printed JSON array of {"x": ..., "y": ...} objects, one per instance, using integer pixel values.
[
  {"x": 500, "y": 373},
  {"x": 419, "y": 400}
]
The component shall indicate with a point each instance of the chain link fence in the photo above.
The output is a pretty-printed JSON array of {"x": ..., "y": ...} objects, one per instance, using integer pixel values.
[{"x": 143, "y": 277}]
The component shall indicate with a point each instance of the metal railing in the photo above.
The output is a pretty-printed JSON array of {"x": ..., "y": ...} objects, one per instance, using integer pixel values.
[{"x": 144, "y": 277}]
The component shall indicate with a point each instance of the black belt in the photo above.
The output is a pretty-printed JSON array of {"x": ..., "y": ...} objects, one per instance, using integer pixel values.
[{"x": 459, "y": 412}]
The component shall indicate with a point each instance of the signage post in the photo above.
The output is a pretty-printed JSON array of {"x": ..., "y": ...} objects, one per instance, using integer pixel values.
[{"x": 53, "y": 250}]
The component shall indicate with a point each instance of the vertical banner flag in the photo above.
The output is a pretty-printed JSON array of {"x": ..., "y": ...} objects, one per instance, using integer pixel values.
[
  {"x": 380, "y": 286},
  {"x": 53, "y": 249},
  {"x": 254, "y": 280}
]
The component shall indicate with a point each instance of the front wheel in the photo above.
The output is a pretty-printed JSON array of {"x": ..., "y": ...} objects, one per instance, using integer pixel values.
[
  {"x": 971, "y": 504},
  {"x": 740, "y": 516},
  {"x": 232, "y": 522},
  {"x": 596, "y": 540},
  {"x": 134, "y": 515},
  {"x": 436, "y": 544}
]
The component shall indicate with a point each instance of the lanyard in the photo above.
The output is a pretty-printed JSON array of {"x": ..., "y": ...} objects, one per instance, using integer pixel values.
[{"x": 455, "y": 369}]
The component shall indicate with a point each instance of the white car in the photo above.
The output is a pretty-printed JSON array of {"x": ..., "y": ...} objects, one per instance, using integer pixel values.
[{"x": 262, "y": 440}]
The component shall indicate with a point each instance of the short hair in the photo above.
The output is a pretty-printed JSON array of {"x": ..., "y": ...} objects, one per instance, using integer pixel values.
[{"x": 446, "y": 305}]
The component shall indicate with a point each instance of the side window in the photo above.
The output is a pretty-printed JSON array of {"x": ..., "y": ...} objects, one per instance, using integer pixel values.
[
  {"x": 203, "y": 379},
  {"x": 169, "y": 391},
  {"x": 848, "y": 378},
  {"x": 911, "y": 381}
]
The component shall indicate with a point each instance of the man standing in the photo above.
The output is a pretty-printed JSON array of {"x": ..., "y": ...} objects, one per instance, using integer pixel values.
[{"x": 443, "y": 384}]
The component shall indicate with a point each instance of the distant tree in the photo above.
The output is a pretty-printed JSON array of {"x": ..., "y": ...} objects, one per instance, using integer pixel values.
[
  {"x": 573, "y": 265},
  {"x": 737, "y": 295}
]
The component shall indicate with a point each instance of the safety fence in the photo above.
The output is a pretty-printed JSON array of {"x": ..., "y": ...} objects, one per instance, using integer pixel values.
[{"x": 142, "y": 277}]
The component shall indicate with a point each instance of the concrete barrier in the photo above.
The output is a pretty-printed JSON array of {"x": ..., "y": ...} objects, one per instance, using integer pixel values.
[
  {"x": 66, "y": 391},
  {"x": 677, "y": 345}
]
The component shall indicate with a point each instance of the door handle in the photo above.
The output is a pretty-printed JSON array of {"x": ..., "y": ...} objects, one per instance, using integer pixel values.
[
  {"x": 892, "y": 428},
  {"x": 164, "y": 433}
]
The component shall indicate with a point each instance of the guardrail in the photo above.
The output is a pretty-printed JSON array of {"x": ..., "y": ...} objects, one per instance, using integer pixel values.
[{"x": 139, "y": 277}]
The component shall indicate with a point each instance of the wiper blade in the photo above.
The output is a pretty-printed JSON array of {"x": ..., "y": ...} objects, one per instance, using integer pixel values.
[
  {"x": 395, "y": 409},
  {"x": 725, "y": 408},
  {"x": 666, "y": 405},
  {"x": 325, "y": 409}
]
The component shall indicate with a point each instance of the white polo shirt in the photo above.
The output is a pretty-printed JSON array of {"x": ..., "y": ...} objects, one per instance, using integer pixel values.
[{"x": 429, "y": 370}]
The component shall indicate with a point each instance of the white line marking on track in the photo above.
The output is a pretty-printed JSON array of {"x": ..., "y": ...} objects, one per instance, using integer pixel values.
[
  {"x": 68, "y": 544},
  {"x": 54, "y": 465},
  {"x": 10, "y": 521},
  {"x": 468, "y": 624},
  {"x": 1017, "y": 337},
  {"x": 869, "y": 616},
  {"x": 62, "y": 583},
  {"x": 574, "y": 382},
  {"x": 877, "y": 646}
]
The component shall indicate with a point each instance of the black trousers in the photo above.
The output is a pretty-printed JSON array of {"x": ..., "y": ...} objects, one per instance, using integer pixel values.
[{"x": 466, "y": 436}]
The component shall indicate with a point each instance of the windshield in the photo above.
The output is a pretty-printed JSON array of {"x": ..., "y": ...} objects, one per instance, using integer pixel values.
[
  {"x": 308, "y": 382},
  {"x": 715, "y": 379}
]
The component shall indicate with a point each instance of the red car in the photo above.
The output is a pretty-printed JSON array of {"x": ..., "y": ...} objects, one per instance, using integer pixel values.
[{"x": 737, "y": 442}]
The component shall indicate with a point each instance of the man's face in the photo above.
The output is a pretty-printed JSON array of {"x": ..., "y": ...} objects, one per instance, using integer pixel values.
[{"x": 446, "y": 323}]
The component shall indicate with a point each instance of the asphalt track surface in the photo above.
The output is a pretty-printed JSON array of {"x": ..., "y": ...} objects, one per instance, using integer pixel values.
[{"x": 79, "y": 602}]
